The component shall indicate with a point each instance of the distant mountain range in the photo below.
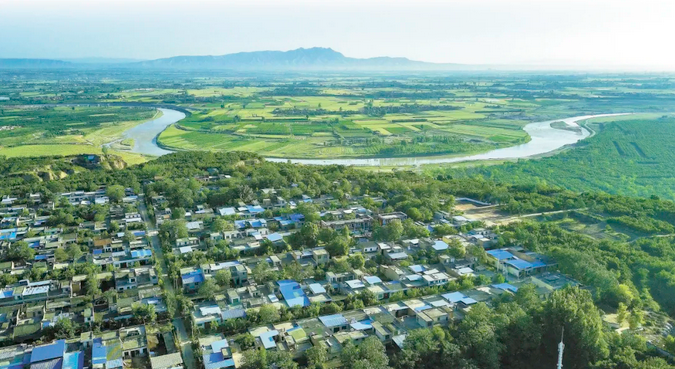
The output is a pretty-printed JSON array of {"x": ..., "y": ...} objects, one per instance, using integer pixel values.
[
  {"x": 315, "y": 58},
  {"x": 312, "y": 59},
  {"x": 33, "y": 63}
]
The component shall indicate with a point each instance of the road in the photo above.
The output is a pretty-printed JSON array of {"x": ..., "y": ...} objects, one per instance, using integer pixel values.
[
  {"x": 520, "y": 217},
  {"x": 183, "y": 337}
]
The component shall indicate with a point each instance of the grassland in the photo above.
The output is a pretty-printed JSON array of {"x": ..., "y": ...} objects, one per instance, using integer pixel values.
[{"x": 68, "y": 131}]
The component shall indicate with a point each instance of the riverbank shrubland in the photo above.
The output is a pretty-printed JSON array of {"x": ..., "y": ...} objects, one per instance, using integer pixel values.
[{"x": 628, "y": 157}]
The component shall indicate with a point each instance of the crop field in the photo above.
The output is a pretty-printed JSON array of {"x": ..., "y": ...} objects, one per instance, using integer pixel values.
[{"x": 322, "y": 117}]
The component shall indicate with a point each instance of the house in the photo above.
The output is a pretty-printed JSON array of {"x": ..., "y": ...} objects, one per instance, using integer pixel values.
[
  {"x": 216, "y": 353},
  {"x": 320, "y": 256},
  {"x": 168, "y": 361},
  {"x": 192, "y": 280},
  {"x": 334, "y": 323},
  {"x": 293, "y": 293},
  {"x": 383, "y": 219},
  {"x": 107, "y": 354},
  {"x": 48, "y": 356},
  {"x": 360, "y": 224}
]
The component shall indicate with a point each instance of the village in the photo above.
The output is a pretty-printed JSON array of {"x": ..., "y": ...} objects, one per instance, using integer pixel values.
[{"x": 143, "y": 284}]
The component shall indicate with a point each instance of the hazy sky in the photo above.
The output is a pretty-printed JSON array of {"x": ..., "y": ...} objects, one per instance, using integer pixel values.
[{"x": 589, "y": 32}]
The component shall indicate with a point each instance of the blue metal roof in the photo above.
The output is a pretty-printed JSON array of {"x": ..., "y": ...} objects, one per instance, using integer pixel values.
[
  {"x": 500, "y": 254},
  {"x": 255, "y": 209},
  {"x": 519, "y": 264},
  {"x": 195, "y": 276},
  {"x": 267, "y": 339},
  {"x": 417, "y": 268},
  {"x": 454, "y": 297},
  {"x": 371, "y": 279},
  {"x": 334, "y": 320},
  {"x": 48, "y": 352},
  {"x": 293, "y": 293},
  {"x": 233, "y": 314},
  {"x": 440, "y": 245},
  {"x": 98, "y": 352},
  {"x": 56, "y": 363},
  {"x": 240, "y": 223},
  {"x": 274, "y": 237},
  {"x": 538, "y": 264},
  {"x": 362, "y": 325},
  {"x": 73, "y": 360},
  {"x": 216, "y": 361},
  {"x": 506, "y": 287},
  {"x": 296, "y": 217}
]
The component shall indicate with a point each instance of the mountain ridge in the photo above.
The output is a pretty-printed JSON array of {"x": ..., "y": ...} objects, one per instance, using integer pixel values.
[{"x": 311, "y": 59}]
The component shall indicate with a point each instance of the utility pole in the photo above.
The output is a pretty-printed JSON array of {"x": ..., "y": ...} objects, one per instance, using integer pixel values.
[{"x": 561, "y": 347}]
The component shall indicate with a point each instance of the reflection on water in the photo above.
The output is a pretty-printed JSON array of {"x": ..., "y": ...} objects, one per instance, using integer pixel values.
[{"x": 145, "y": 134}]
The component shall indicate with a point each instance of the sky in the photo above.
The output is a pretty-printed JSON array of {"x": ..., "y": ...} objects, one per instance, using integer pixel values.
[{"x": 604, "y": 33}]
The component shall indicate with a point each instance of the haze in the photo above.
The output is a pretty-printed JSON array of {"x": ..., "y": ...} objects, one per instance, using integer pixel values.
[{"x": 601, "y": 33}]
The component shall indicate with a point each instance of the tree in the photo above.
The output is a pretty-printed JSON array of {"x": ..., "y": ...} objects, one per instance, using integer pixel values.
[
  {"x": 339, "y": 246},
  {"x": 316, "y": 356},
  {"x": 369, "y": 354},
  {"x": 573, "y": 309},
  {"x": 636, "y": 319},
  {"x": 357, "y": 261},
  {"x": 92, "y": 286},
  {"x": 221, "y": 225},
  {"x": 144, "y": 312},
  {"x": 478, "y": 339},
  {"x": 20, "y": 251},
  {"x": 268, "y": 314},
  {"x": 74, "y": 251},
  {"x": 255, "y": 359},
  {"x": 63, "y": 328},
  {"x": 621, "y": 313},
  {"x": 61, "y": 255},
  {"x": 393, "y": 231},
  {"x": 115, "y": 193},
  {"x": 223, "y": 278},
  {"x": 208, "y": 288}
]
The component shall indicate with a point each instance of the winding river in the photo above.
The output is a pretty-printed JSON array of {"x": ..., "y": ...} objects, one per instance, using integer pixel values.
[{"x": 544, "y": 139}]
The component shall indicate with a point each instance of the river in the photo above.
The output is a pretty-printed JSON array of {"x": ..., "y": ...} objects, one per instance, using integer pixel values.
[
  {"x": 145, "y": 134},
  {"x": 544, "y": 139}
]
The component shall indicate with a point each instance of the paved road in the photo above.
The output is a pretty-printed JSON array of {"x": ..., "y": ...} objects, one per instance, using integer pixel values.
[
  {"x": 183, "y": 337},
  {"x": 185, "y": 343}
]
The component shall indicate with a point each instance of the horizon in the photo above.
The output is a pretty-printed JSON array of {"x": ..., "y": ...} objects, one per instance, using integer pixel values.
[{"x": 602, "y": 34}]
